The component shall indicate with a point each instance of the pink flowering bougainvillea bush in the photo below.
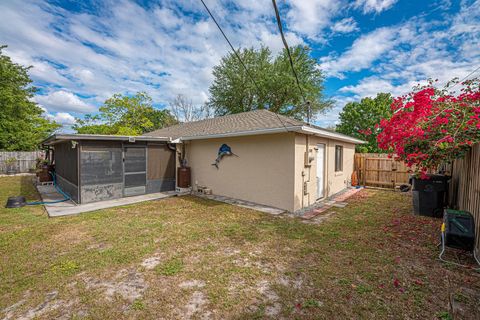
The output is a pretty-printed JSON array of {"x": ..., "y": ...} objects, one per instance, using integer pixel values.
[{"x": 431, "y": 126}]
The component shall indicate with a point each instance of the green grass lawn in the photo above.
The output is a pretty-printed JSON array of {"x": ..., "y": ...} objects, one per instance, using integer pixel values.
[{"x": 186, "y": 257}]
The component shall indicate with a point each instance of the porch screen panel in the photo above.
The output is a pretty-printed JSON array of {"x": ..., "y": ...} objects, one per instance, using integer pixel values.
[
  {"x": 66, "y": 161},
  {"x": 135, "y": 167},
  {"x": 135, "y": 159},
  {"x": 101, "y": 164},
  {"x": 135, "y": 180}
]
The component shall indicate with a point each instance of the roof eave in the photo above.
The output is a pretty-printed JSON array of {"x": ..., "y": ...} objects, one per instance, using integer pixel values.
[
  {"x": 239, "y": 133},
  {"x": 55, "y": 138},
  {"x": 299, "y": 129},
  {"x": 329, "y": 135}
]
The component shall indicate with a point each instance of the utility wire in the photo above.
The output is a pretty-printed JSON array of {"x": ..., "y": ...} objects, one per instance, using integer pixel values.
[
  {"x": 445, "y": 86},
  {"x": 464, "y": 78},
  {"x": 231, "y": 46},
  {"x": 280, "y": 28},
  {"x": 240, "y": 59}
]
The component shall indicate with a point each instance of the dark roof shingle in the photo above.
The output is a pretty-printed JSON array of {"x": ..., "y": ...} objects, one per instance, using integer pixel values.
[{"x": 239, "y": 122}]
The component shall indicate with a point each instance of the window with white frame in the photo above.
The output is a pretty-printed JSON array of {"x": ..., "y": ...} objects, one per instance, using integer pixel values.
[{"x": 338, "y": 158}]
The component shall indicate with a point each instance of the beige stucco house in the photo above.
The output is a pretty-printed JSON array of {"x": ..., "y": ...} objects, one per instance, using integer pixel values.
[{"x": 278, "y": 161}]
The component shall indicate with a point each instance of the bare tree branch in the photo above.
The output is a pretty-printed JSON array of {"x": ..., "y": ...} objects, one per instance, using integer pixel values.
[{"x": 184, "y": 110}]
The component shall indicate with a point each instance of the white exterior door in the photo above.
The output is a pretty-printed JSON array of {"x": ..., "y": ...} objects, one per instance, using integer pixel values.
[{"x": 320, "y": 171}]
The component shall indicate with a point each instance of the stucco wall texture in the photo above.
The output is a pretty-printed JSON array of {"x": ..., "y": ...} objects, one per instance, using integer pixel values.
[
  {"x": 270, "y": 169},
  {"x": 334, "y": 181},
  {"x": 261, "y": 173}
]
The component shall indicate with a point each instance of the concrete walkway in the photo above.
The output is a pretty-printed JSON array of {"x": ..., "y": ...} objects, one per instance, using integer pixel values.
[
  {"x": 48, "y": 193},
  {"x": 242, "y": 203},
  {"x": 337, "y": 200}
]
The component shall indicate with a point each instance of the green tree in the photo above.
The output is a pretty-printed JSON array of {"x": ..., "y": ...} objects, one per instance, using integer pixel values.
[
  {"x": 232, "y": 90},
  {"x": 358, "y": 119},
  {"x": 125, "y": 115},
  {"x": 22, "y": 123}
]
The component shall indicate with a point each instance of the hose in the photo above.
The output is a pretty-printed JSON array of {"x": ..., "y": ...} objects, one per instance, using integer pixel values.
[
  {"x": 65, "y": 196},
  {"x": 451, "y": 262}
]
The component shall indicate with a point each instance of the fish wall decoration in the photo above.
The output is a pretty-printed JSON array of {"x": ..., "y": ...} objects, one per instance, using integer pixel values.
[{"x": 224, "y": 150}]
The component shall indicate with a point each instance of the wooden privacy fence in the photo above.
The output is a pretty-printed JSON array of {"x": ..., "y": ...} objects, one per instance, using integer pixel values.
[
  {"x": 24, "y": 160},
  {"x": 377, "y": 170},
  {"x": 465, "y": 187}
]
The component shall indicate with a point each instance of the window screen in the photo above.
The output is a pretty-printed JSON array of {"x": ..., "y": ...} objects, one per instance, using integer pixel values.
[
  {"x": 100, "y": 165},
  {"x": 135, "y": 159},
  {"x": 135, "y": 180},
  {"x": 338, "y": 158}
]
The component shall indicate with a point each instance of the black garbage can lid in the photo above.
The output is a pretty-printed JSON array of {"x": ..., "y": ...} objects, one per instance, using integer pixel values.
[{"x": 16, "y": 202}]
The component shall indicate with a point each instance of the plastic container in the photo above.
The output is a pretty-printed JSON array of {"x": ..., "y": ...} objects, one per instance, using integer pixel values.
[
  {"x": 459, "y": 229},
  {"x": 184, "y": 177},
  {"x": 429, "y": 195},
  {"x": 16, "y": 202}
]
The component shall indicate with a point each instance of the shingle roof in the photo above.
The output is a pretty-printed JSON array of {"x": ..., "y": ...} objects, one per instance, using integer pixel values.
[
  {"x": 239, "y": 122},
  {"x": 235, "y": 123}
]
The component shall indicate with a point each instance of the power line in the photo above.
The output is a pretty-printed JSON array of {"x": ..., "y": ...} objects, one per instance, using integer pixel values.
[
  {"x": 280, "y": 28},
  {"x": 464, "y": 78},
  {"x": 231, "y": 46},
  {"x": 240, "y": 59},
  {"x": 450, "y": 88}
]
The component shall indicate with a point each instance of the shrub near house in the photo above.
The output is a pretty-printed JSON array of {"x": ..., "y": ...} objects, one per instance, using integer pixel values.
[{"x": 430, "y": 127}]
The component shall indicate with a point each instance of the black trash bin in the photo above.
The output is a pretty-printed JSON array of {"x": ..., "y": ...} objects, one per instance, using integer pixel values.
[
  {"x": 459, "y": 229},
  {"x": 429, "y": 195}
]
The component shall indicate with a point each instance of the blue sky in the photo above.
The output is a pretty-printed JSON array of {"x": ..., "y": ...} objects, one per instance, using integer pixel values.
[{"x": 82, "y": 52}]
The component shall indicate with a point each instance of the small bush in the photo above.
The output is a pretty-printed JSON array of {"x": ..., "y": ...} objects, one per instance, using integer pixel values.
[
  {"x": 138, "y": 305},
  {"x": 444, "y": 315},
  {"x": 171, "y": 267},
  {"x": 312, "y": 303},
  {"x": 66, "y": 267}
]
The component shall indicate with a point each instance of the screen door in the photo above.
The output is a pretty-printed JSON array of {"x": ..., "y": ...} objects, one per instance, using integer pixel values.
[{"x": 135, "y": 170}]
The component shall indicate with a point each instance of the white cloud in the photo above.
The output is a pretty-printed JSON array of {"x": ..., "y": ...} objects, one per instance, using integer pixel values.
[
  {"x": 64, "y": 101},
  {"x": 364, "y": 51},
  {"x": 346, "y": 25},
  {"x": 63, "y": 118},
  {"x": 310, "y": 17},
  {"x": 330, "y": 118},
  {"x": 416, "y": 50},
  {"x": 375, "y": 6},
  {"x": 125, "y": 48},
  {"x": 171, "y": 47},
  {"x": 369, "y": 87},
  {"x": 84, "y": 75}
]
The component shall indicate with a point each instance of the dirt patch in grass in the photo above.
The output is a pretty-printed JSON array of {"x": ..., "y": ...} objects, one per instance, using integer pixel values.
[
  {"x": 71, "y": 236},
  {"x": 196, "y": 306},
  {"x": 50, "y": 305},
  {"x": 151, "y": 262},
  {"x": 195, "y": 258},
  {"x": 189, "y": 284},
  {"x": 127, "y": 284}
]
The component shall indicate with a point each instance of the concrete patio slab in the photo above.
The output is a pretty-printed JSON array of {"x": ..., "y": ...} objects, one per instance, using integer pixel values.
[
  {"x": 66, "y": 208},
  {"x": 242, "y": 203}
]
